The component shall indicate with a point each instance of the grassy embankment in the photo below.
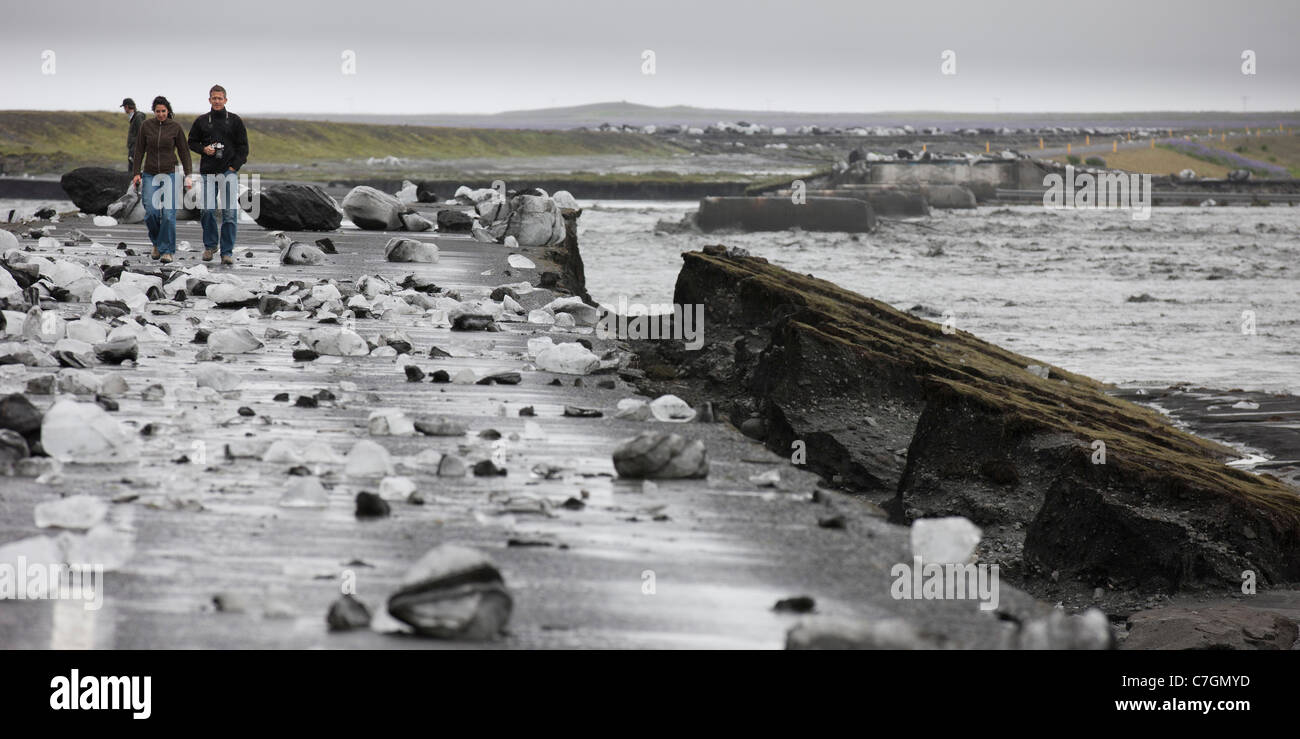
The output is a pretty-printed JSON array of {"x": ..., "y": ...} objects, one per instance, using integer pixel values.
[
  {"x": 45, "y": 142},
  {"x": 1268, "y": 156}
]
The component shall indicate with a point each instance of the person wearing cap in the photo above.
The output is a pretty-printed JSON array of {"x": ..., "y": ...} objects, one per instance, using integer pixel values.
[{"x": 137, "y": 117}]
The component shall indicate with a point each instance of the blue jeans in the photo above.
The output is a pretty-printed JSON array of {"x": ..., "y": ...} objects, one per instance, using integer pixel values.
[
  {"x": 161, "y": 195},
  {"x": 220, "y": 201}
]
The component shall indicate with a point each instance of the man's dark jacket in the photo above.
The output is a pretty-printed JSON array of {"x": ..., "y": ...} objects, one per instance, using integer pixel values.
[
  {"x": 224, "y": 127},
  {"x": 131, "y": 133}
]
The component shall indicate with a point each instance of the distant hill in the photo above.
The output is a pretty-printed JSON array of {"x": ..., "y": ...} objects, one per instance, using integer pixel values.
[
  {"x": 623, "y": 112},
  {"x": 55, "y": 141}
]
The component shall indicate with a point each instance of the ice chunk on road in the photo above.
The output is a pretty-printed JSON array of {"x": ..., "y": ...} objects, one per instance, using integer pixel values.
[
  {"x": 671, "y": 408},
  {"x": 945, "y": 540},
  {"x": 75, "y": 512},
  {"x": 83, "y": 432},
  {"x": 304, "y": 492},
  {"x": 569, "y": 358},
  {"x": 368, "y": 459}
]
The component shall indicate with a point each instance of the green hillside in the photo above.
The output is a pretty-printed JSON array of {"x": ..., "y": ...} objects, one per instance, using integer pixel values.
[{"x": 55, "y": 141}]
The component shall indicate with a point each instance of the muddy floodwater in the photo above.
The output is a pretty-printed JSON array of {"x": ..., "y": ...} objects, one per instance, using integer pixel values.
[{"x": 1148, "y": 303}]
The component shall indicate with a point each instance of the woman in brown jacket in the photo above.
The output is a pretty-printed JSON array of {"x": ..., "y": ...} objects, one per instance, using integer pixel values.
[{"x": 159, "y": 147}]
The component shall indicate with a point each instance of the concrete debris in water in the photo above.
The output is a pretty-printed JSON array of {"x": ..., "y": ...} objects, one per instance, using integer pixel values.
[
  {"x": 453, "y": 592},
  {"x": 654, "y": 454}
]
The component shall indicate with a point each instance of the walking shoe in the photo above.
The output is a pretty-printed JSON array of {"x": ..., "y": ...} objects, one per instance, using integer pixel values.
[
  {"x": 165, "y": 259},
  {"x": 208, "y": 254},
  {"x": 155, "y": 253},
  {"x": 227, "y": 259}
]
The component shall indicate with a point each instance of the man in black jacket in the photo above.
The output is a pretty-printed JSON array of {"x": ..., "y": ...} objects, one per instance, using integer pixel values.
[
  {"x": 137, "y": 117},
  {"x": 220, "y": 137}
]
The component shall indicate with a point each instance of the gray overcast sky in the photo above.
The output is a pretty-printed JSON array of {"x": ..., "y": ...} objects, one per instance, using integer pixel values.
[{"x": 807, "y": 55}]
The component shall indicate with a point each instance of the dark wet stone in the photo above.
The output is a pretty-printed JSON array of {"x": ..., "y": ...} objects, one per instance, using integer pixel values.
[
  {"x": 229, "y": 603},
  {"x": 326, "y": 246},
  {"x": 347, "y": 613},
  {"x": 201, "y": 336},
  {"x": 370, "y": 505},
  {"x": 573, "y": 504},
  {"x": 401, "y": 346},
  {"x": 754, "y": 428},
  {"x": 439, "y": 426},
  {"x": 471, "y": 322},
  {"x": 797, "y": 604},
  {"x": 300, "y": 471},
  {"x": 69, "y": 359},
  {"x": 93, "y": 189},
  {"x": 1216, "y": 627},
  {"x": 454, "y": 221},
  {"x": 577, "y": 382},
  {"x": 43, "y": 385},
  {"x": 246, "y": 411},
  {"x": 419, "y": 284},
  {"x": 549, "y": 279},
  {"x": 606, "y": 384},
  {"x": 325, "y": 395},
  {"x": 529, "y": 543},
  {"x": 503, "y": 291},
  {"x": 527, "y": 411},
  {"x": 183, "y": 459},
  {"x": 556, "y": 381},
  {"x": 281, "y": 398},
  {"x": 304, "y": 355},
  {"x": 487, "y": 468},
  {"x": 572, "y": 411},
  {"x": 110, "y": 309},
  {"x": 453, "y": 592},
  {"x": 413, "y": 373},
  {"x": 437, "y": 353},
  {"x": 13, "y": 447},
  {"x": 306, "y": 401},
  {"x": 268, "y": 304},
  {"x": 107, "y": 404},
  {"x": 17, "y": 413},
  {"x": 836, "y": 521},
  {"x": 439, "y": 376},
  {"x": 489, "y": 434},
  {"x": 501, "y": 378},
  {"x": 660, "y": 455}
]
